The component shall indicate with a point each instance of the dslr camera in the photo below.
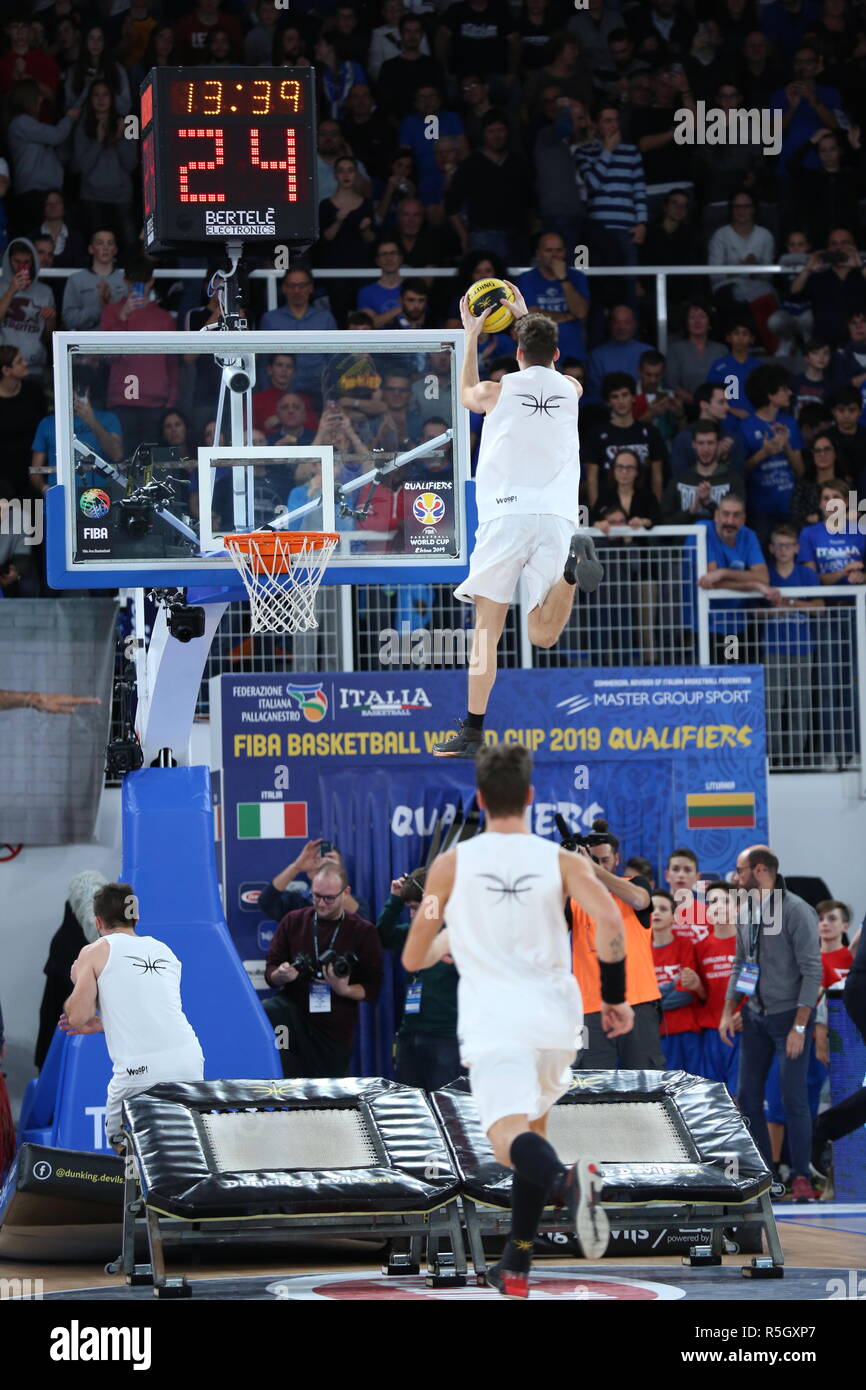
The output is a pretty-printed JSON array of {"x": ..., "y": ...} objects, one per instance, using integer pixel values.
[
  {"x": 572, "y": 839},
  {"x": 342, "y": 966}
]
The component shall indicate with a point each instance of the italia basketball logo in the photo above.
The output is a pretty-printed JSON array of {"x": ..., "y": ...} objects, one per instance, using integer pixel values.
[
  {"x": 428, "y": 508},
  {"x": 312, "y": 700},
  {"x": 94, "y": 502}
]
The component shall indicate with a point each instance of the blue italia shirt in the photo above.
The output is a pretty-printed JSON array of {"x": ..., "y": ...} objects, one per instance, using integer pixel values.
[
  {"x": 549, "y": 295},
  {"x": 788, "y": 633},
  {"x": 769, "y": 486},
  {"x": 828, "y": 551}
]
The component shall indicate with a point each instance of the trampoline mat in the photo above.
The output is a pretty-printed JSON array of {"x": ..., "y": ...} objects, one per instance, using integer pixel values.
[
  {"x": 287, "y": 1139},
  {"x": 614, "y": 1133}
]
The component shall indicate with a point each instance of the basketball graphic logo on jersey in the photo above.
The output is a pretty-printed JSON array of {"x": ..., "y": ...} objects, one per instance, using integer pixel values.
[
  {"x": 537, "y": 405},
  {"x": 428, "y": 508}
]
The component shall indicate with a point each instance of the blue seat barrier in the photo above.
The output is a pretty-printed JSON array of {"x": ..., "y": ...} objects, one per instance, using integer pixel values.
[{"x": 168, "y": 857}]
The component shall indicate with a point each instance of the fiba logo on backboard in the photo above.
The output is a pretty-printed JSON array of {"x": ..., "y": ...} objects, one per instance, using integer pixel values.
[
  {"x": 428, "y": 508},
  {"x": 94, "y": 502}
]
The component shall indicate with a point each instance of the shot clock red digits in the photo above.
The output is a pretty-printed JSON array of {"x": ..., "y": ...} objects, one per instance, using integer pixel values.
[{"x": 289, "y": 164}]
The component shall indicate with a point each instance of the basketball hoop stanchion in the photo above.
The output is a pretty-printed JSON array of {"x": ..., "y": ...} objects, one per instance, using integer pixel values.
[{"x": 281, "y": 572}]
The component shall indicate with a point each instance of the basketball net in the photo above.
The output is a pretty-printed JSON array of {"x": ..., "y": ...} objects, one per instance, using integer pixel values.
[{"x": 281, "y": 572}]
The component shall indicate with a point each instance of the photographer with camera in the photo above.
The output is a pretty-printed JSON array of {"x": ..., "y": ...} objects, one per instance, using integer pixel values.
[
  {"x": 427, "y": 1051},
  {"x": 324, "y": 961},
  {"x": 640, "y": 1048}
]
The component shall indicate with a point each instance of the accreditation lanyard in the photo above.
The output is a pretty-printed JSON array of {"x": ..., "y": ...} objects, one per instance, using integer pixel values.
[
  {"x": 320, "y": 990},
  {"x": 750, "y": 970},
  {"x": 330, "y": 946}
]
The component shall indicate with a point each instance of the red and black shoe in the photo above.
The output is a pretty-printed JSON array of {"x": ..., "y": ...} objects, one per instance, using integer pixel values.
[
  {"x": 509, "y": 1282},
  {"x": 582, "y": 1200}
]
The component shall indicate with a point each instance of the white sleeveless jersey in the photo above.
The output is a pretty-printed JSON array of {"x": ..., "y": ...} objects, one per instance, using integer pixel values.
[
  {"x": 139, "y": 1002},
  {"x": 508, "y": 936},
  {"x": 529, "y": 457}
]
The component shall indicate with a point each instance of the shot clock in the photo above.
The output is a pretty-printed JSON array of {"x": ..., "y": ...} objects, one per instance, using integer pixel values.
[{"x": 229, "y": 154}]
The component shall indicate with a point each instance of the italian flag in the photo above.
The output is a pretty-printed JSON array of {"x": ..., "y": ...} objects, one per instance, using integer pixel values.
[
  {"x": 272, "y": 820},
  {"x": 720, "y": 810}
]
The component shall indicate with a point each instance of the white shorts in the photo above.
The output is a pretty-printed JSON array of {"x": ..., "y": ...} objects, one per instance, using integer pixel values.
[
  {"x": 522, "y": 1082},
  {"x": 508, "y": 546},
  {"x": 186, "y": 1064}
]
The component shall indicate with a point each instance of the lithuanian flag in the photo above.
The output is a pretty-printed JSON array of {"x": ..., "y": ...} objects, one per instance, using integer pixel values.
[
  {"x": 272, "y": 820},
  {"x": 720, "y": 810}
]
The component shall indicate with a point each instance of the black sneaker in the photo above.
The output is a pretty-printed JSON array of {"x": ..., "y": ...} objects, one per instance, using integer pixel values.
[
  {"x": 822, "y": 1158},
  {"x": 510, "y": 1283},
  {"x": 465, "y": 743},
  {"x": 583, "y": 566},
  {"x": 582, "y": 1201}
]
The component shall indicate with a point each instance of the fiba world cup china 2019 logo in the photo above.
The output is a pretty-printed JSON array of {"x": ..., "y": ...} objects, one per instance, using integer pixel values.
[
  {"x": 312, "y": 700},
  {"x": 428, "y": 508},
  {"x": 94, "y": 502}
]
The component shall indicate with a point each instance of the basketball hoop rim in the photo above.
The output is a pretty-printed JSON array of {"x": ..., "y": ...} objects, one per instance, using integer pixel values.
[{"x": 280, "y": 548}]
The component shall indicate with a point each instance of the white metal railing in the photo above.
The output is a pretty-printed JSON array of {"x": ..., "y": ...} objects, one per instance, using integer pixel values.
[
  {"x": 659, "y": 273},
  {"x": 814, "y": 671}
]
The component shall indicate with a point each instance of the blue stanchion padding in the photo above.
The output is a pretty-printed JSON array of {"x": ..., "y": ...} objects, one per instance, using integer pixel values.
[
  {"x": 847, "y": 1074},
  {"x": 37, "y": 1108},
  {"x": 79, "y": 1117},
  {"x": 168, "y": 857}
]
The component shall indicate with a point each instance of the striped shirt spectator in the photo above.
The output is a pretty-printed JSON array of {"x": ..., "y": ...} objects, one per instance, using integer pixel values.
[{"x": 614, "y": 182}]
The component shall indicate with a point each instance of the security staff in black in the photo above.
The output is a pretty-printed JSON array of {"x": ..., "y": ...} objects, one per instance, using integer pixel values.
[
  {"x": 427, "y": 1051},
  {"x": 315, "y": 1015}
]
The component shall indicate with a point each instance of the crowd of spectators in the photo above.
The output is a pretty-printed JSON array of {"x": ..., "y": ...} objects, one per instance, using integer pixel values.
[{"x": 487, "y": 135}]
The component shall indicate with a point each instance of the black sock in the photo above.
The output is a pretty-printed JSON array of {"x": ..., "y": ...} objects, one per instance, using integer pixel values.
[
  {"x": 536, "y": 1160},
  {"x": 474, "y": 721},
  {"x": 527, "y": 1204}
]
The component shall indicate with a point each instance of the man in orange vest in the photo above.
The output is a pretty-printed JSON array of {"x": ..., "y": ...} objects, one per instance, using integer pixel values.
[{"x": 641, "y": 1048}]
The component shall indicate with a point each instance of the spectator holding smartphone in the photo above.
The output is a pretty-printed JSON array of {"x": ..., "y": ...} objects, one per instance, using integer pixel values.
[
  {"x": 287, "y": 890},
  {"x": 27, "y": 313}
]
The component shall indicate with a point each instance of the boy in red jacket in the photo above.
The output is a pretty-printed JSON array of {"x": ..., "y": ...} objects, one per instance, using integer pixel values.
[
  {"x": 715, "y": 959},
  {"x": 672, "y": 956}
]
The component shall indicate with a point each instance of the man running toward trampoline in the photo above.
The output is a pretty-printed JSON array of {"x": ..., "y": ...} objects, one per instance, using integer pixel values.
[
  {"x": 134, "y": 982},
  {"x": 520, "y": 1013},
  {"x": 526, "y": 489}
]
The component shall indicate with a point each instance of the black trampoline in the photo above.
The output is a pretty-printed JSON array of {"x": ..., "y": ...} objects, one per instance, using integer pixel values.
[
  {"x": 672, "y": 1144},
  {"x": 348, "y": 1157}
]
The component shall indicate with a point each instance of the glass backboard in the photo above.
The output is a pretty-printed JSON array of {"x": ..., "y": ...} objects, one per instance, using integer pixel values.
[{"x": 165, "y": 447}]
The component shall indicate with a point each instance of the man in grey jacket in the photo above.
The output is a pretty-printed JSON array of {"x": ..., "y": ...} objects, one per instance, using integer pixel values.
[
  {"x": 88, "y": 291},
  {"x": 777, "y": 969}
]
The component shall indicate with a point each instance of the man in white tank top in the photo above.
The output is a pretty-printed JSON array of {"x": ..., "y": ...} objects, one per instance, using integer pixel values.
[
  {"x": 526, "y": 487},
  {"x": 520, "y": 1013},
  {"x": 134, "y": 983}
]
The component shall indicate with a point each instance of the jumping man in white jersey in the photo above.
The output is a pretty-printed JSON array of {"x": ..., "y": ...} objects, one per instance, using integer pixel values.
[
  {"x": 520, "y": 1012},
  {"x": 134, "y": 982},
  {"x": 526, "y": 488}
]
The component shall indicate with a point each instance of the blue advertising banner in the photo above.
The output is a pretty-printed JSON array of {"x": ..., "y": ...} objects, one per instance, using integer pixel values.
[{"x": 670, "y": 758}]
